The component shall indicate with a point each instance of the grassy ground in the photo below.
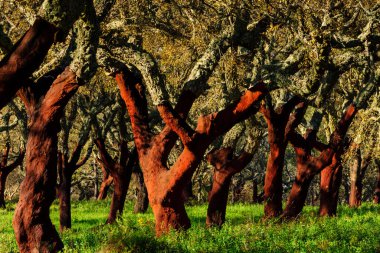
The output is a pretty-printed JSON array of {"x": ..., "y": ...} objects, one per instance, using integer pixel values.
[{"x": 352, "y": 231}]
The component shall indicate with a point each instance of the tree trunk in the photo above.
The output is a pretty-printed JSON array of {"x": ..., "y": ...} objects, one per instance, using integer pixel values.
[
  {"x": 3, "y": 179},
  {"x": 33, "y": 227},
  {"x": 121, "y": 185},
  {"x": 26, "y": 56},
  {"x": 65, "y": 202},
  {"x": 376, "y": 197},
  {"x": 297, "y": 196},
  {"x": 106, "y": 183},
  {"x": 356, "y": 181},
  {"x": 226, "y": 165},
  {"x": 142, "y": 201},
  {"x": 255, "y": 193},
  {"x": 331, "y": 179}
]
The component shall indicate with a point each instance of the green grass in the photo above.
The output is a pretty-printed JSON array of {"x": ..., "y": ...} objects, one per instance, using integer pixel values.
[{"x": 352, "y": 231}]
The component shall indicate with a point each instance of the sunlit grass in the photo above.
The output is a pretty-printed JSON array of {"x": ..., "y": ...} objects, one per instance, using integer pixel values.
[{"x": 352, "y": 231}]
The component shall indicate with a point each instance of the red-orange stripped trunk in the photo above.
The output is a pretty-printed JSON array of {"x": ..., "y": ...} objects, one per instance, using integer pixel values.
[
  {"x": 5, "y": 170},
  {"x": 32, "y": 225},
  {"x": 280, "y": 123},
  {"x": 107, "y": 181},
  {"x": 26, "y": 56},
  {"x": 165, "y": 187},
  {"x": 331, "y": 178},
  {"x": 226, "y": 165},
  {"x": 309, "y": 166}
]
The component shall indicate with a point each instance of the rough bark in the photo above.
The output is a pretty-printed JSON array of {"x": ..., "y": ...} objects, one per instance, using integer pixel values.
[
  {"x": 226, "y": 165},
  {"x": 280, "y": 123},
  {"x": 33, "y": 227},
  {"x": 5, "y": 170},
  {"x": 309, "y": 166},
  {"x": 142, "y": 201},
  {"x": 165, "y": 186},
  {"x": 331, "y": 179}
]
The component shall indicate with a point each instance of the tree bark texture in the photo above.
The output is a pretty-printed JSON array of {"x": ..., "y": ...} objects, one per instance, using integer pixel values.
[
  {"x": 280, "y": 122},
  {"x": 165, "y": 187},
  {"x": 226, "y": 165},
  {"x": 33, "y": 227}
]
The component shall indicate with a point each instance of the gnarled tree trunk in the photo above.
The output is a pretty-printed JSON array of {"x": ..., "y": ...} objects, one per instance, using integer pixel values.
[
  {"x": 226, "y": 165},
  {"x": 107, "y": 181},
  {"x": 280, "y": 123},
  {"x": 33, "y": 227},
  {"x": 309, "y": 166},
  {"x": 165, "y": 187}
]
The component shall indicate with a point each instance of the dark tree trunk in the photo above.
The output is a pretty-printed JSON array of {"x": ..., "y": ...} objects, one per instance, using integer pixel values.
[
  {"x": 188, "y": 192},
  {"x": 142, "y": 201},
  {"x": 165, "y": 187},
  {"x": 331, "y": 179},
  {"x": 33, "y": 227},
  {"x": 3, "y": 179},
  {"x": 255, "y": 193},
  {"x": 280, "y": 123},
  {"x": 65, "y": 202},
  {"x": 357, "y": 173},
  {"x": 226, "y": 165},
  {"x": 121, "y": 173},
  {"x": 107, "y": 181},
  {"x": 376, "y": 197}
]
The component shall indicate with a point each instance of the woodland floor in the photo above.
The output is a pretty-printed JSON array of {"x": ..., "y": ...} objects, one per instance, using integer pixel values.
[{"x": 245, "y": 231}]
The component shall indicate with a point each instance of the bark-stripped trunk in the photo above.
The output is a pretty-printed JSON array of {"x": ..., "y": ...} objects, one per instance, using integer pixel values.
[
  {"x": 280, "y": 123},
  {"x": 33, "y": 227},
  {"x": 165, "y": 187},
  {"x": 309, "y": 166},
  {"x": 357, "y": 173},
  {"x": 142, "y": 201},
  {"x": 121, "y": 173},
  {"x": 331, "y": 179},
  {"x": 25, "y": 57},
  {"x": 226, "y": 165},
  {"x": 107, "y": 181}
]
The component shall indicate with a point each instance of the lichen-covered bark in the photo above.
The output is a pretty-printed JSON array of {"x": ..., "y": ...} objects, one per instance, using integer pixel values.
[
  {"x": 33, "y": 227},
  {"x": 226, "y": 165}
]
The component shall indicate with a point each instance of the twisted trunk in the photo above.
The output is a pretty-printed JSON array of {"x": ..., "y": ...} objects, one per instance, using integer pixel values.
[
  {"x": 107, "y": 181},
  {"x": 33, "y": 227},
  {"x": 65, "y": 202}
]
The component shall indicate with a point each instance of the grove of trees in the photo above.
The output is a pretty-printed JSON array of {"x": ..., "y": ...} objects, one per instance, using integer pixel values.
[{"x": 170, "y": 102}]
